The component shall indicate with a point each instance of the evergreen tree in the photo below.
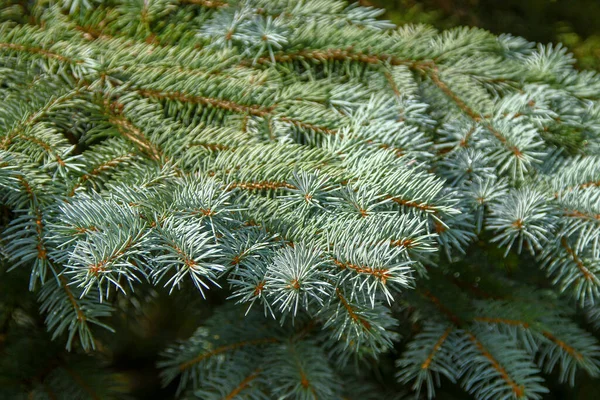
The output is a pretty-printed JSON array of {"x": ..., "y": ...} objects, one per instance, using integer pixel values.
[{"x": 343, "y": 192}]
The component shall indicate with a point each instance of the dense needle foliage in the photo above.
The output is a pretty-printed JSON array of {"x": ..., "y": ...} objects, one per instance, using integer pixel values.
[
  {"x": 348, "y": 188},
  {"x": 571, "y": 22}
]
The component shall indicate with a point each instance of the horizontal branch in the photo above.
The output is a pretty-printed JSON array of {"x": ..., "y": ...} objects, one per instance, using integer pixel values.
[
  {"x": 205, "y": 3},
  {"x": 406, "y": 243},
  {"x": 231, "y": 106},
  {"x": 34, "y": 118},
  {"x": 590, "y": 184},
  {"x": 582, "y": 215},
  {"x": 569, "y": 349},
  {"x": 224, "y": 349},
  {"x": 210, "y": 146},
  {"x": 100, "y": 168},
  {"x": 90, "y": 33},
  {"x": 427, "y": 67},
  {"x": 38, "y": 50},
  {"x": 338, "y": 55},
  {"x": 413, "y": 204},
  {"x": 306, "y": 125},
  {"x": 504, "y": 321},
  {"x": 382, "y": 274},
  {"x": 263, "y": 185},
  {"x": 207, "y": 101}
]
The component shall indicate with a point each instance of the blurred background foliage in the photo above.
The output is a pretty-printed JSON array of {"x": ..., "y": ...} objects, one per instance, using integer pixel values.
[{"x": 572, "y": 22}]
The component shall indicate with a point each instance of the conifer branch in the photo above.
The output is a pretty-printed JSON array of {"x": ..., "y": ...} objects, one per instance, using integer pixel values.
[
  {"x": 309, "y": 163},
  {"x": 438, "y": 345},
  {"x": 243, "y": 384},
  {"x": 227, "y": 105},
  {"x": 206, "y": 3},
  {"x": 351, "y": 312},
  {"x": 136, "y": 136},
  {"x": 34, "y": 117},
  {"x": 584, "y": 271},
  {"x": 40, "y": 51},
  {"x": 223, "y": 349},
  {"x": 100, "y": 168},
  {"x": 65, "y": 286},
  {"x": 381, "y": 274},
  {"x": 207, "y": 101},
  {"x": 266, "y": 185},
  {"x": 518, "y": 390},
  {"x": 340, "y": 55}
]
